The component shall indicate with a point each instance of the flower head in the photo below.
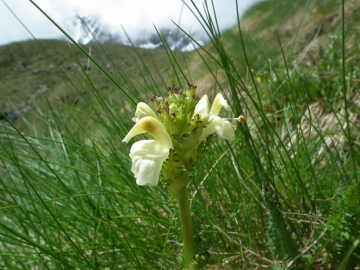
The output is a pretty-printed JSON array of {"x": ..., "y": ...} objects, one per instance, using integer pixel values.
[
  {"x": 210, "y": 116},
  {"x": 180, "y": 121},
  {"x": 148, "y": 155}
]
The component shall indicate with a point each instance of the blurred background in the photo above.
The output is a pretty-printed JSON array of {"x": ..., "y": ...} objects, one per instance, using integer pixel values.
[{"x": 106, "y": 22}]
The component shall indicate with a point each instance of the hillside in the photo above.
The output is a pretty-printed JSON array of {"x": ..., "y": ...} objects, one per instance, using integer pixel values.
[
  {"x": 309, "y": 37},
  {"x": 52, "y": 72}
]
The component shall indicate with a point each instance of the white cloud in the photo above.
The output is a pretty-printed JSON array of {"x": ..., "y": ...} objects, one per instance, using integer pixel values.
[{"x": 136, "y": 16}]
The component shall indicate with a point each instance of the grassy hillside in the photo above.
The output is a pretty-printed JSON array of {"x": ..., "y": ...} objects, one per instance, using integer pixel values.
[
  {"x": 50, "y": 72},
  {"x": 303, "y": 37},
  {"x": 283, "y": 195}
]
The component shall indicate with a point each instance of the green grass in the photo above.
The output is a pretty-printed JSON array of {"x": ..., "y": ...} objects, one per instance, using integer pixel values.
[{"x": 69, "y": 199}]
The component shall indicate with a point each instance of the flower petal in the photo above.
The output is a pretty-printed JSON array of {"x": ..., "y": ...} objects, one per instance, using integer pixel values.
[
  {"x": 142, "y": 110},
  {"x": 147, "y": 159},
  {"x": 218, "y": 104},
  {"x": 222, "y": 127},
  {"x": 153, "y": 126},
  {"x": 203, "y": 106}
]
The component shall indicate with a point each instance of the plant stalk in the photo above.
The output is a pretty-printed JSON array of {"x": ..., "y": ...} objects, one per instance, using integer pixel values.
[{"x": 186, "y": 228}]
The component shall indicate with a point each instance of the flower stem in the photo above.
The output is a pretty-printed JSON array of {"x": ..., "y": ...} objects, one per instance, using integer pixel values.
[{"x": 186, "y": 227}]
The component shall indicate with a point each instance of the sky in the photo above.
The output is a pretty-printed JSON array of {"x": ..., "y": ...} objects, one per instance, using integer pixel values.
[{"x": 137, "y": 17}]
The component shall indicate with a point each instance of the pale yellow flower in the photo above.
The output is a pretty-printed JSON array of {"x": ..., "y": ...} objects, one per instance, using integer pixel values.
[
  {"x": 214, "y": 123},
  {"x": 148, "y": 155}
]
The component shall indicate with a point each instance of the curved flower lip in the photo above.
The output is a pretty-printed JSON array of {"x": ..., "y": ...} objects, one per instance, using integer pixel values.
[
  {"x": 215, "y": 123},
  {"x": 219, "y": 103},
  {"x": 203, "y": 106},
  {"x": 153, "y": 126},
  {"x": 142, "y": 110}
]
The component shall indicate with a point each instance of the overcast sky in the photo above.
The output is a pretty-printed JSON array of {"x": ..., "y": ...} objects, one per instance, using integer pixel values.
[{"x": 137, "y": 16}]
